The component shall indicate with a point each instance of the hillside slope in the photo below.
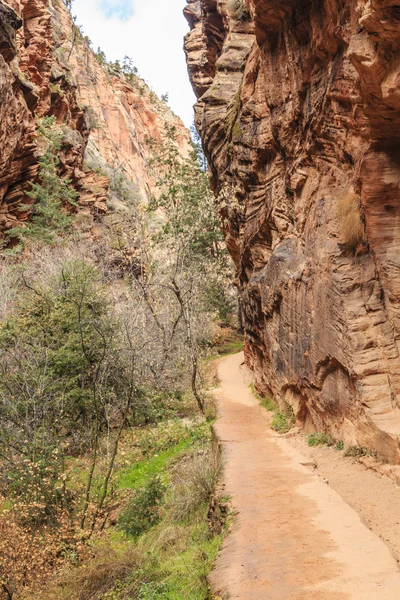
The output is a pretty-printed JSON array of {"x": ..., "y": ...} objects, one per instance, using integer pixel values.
[
  {"x": 299, "y": 113},
  {"x": 107, "y": 117}
]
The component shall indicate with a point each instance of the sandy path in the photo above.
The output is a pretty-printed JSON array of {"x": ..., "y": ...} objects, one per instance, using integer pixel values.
[
  {"x": 376, "y": 498},
  {"x": 295, "y": 538}
]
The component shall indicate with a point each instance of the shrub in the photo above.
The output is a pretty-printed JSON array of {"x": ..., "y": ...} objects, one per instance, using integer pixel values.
[
  {"x": 108, "y": 575},
  {"x": 51, "y": 194},
  {"x": 283, "y": 421},
  {"x": 351, "y": 222},
  {"x": 238, "y": 9},
  {"x": 358, "y": 451},
  {"x": 153, "y": 591},
  {"x": 145, "y": 509},
  {"x": 320, "y": 439},
  {"x": 194, "y": 482}
]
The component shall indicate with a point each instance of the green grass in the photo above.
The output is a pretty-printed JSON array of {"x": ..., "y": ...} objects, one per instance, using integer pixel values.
[
  {"x": 320, "y": 439},
  {"x": 282, "y": 423},
  {"x": 265, "y": 401},
  {"x": 141, "y": 472},
  {"x": 186, "y": 567},
  {"x": 176, "y": 555}
]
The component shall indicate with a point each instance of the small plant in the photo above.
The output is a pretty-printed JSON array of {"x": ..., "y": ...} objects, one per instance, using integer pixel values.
[
  {"x": 153, "y": 590},
  {"x": 358, "y": 451},
  {"x": 351, "y": 222},
  {"x": 144, "y": 511},
  {"x": 320, "y": 439},
  {"x": 238, "y": 9},
  {"x": 283, "y": 421},
  {"x": 265, "y": 401},
  {"x": 339, "y": 446},
  {"x": 268, "y": 404},
  {"x": 194, "y": 482},
  {"x": 52, "y": 195}
]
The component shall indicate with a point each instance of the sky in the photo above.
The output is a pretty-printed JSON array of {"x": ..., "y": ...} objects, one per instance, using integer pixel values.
[{"x": 151, "y": 33}]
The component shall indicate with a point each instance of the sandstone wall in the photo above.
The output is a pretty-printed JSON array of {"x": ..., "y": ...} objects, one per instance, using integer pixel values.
[
  {"x": 299, "y": 112},
  {"x": 47, "y": 68}
]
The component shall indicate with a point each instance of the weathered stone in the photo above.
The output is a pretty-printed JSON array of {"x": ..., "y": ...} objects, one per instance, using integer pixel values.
[
  {"x": 299, "y": 112},
  {"x": 47, "y": 68}
]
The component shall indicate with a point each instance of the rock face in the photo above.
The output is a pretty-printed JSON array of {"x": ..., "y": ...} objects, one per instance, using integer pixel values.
[
  {"x": 299, "y": 112},
  {"x": 47, "y": 68}
]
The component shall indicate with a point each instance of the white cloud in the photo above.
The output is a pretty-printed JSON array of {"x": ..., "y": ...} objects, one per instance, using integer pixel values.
[
  {"x": 123, "y": 9},
  {"x": 152, "y": 36}
]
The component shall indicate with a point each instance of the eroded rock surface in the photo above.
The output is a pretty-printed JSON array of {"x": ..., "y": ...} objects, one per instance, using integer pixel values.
[
  {"x": 48, "y": 69},
  {"x": 299, "y": 112}
]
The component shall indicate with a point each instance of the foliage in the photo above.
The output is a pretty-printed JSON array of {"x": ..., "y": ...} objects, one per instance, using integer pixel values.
[
  {"x": 93, "y": 362},
  {"x": 283, "y": 421},
  {"x": 100, "y": 56},
  {"x": 144, "y": 510},
  {"x": 320, "y": 439},
  {"x": 186, "y": 197},
  {"x": 25, "y": 558},
  {"x": 51, "y": 195},
  {"x": 358, "y": 451},
  {"x": 265, "y": 401},
  {"x": 67, "y": 375},
  {"x": 339, "y": 446},
  {"x": 173, "y": 551},
  {"x": 194, "y": 481},
  {"x": 190, "y": 235},
  {"x": 128, "y": 67},
  {"x": 142, "y": 470}
]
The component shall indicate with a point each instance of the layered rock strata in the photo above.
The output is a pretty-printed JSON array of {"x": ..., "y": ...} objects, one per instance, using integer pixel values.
[
  {"x": 47, "y": 68},
  {"x": 299, "y": 112}
]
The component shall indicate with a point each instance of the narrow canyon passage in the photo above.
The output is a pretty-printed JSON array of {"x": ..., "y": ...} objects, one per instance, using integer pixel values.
[{"x": 294, "y": 537}]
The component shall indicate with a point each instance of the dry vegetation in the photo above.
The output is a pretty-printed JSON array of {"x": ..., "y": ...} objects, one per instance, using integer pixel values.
[
  {"x": 238, "y": 9},
  {"x": 351, "y": 221}
]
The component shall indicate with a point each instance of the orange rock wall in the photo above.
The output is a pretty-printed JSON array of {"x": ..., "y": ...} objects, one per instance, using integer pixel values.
[
  {"x": 299, "y": 112},
  {"x": 47, "y": 68}
]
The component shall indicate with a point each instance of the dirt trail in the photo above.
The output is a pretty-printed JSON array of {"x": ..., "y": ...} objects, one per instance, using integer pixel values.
[{"x": 295, "y": 538}]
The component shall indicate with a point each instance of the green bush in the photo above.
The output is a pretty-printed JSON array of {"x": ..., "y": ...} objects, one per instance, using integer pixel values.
[
  {"x": 283, "y": 421},
  {"x": 145, "y": 509},
  {"x": 52, "y": 195},
  {"x": 320, "y": 439},
  {"x": 153, "y": 591}
]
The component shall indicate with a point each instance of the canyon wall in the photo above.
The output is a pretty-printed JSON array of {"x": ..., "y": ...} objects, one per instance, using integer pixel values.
[
  {"x": 299, "y": 112},
  {"x": 48, "y": 69}
]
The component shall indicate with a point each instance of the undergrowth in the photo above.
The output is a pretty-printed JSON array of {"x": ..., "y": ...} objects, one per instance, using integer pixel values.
[
  {"x": 265, "y": 401},
  {"x": 358, "y": 452},
  {"x": 283, "y": 420},
  {"x": 164, "y": 546},
  {"x": 320, "y": 439}
]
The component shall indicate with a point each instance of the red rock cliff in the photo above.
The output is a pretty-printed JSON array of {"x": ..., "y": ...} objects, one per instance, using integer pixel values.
[
  {"x": 299, "y": 112},
  {"x": 47, "y": 68}
]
